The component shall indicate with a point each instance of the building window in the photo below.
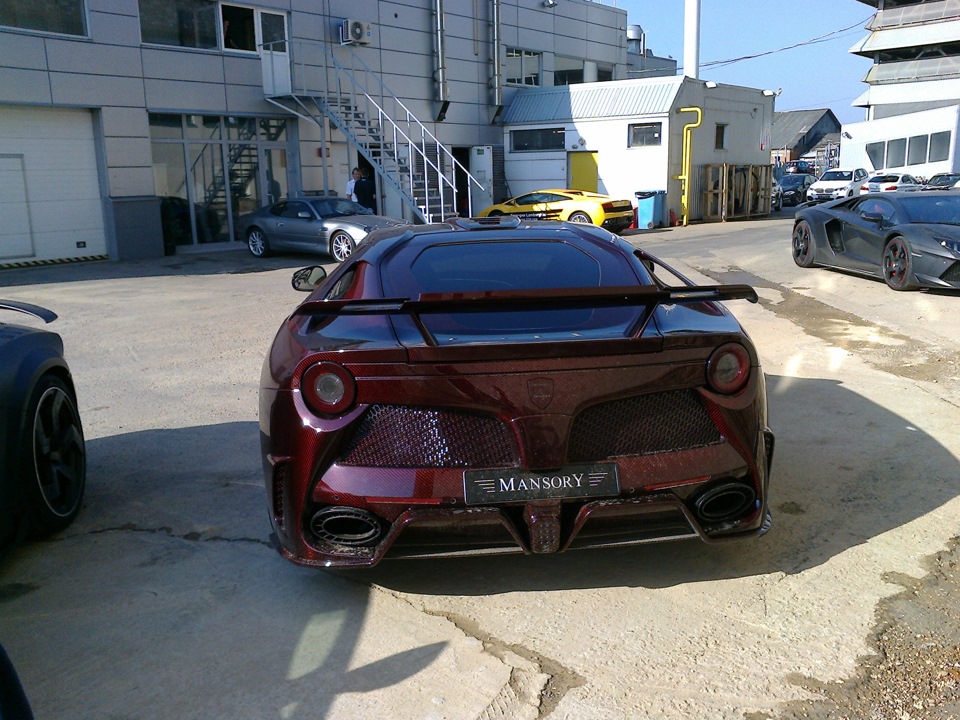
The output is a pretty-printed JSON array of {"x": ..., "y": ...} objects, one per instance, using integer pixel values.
[
  {"x": 875, "y": 152},
  {"x": 917, "y": 150},
  {"x": 239, "y": 30},
  {"x": 720, "y": 138},
  {"x": 522, "y": 67},
  {"x": 567, "y": 71},
  {"x": 940, "y": 146},
  {"x": 896, "y": 153},
  {"x": 604, "y": 72},
  {"x": 209, "y": 169},
  {"x": 56, "y": 16},
  {"x": 184, "y": 23},
  {"x": 541, "y": 140},
  {"x": 644, "y": 135}
]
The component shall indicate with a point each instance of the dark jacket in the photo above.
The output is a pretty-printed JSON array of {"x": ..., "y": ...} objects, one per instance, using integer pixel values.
[{"x": 366, "y": 192}]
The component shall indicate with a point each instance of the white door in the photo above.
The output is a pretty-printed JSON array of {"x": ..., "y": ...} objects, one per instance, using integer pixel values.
[
  {"x": 274, "y": 52},
  {"x": 50, "y": 203}
]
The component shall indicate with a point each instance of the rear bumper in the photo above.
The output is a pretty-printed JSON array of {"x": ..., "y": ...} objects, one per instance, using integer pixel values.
[{"x": 643, "y": 513}]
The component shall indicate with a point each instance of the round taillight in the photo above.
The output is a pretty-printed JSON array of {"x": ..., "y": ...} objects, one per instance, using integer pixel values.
[
  {"x": 328, "y": 388},
  {"x": 728, "y": 368}
]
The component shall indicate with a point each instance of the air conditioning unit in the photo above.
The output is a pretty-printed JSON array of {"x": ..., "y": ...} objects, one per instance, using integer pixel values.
[{"x": 354, "y": 32}]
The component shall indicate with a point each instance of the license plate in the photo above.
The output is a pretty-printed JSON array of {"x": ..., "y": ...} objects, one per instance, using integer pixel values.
[{"x": 495, "y": 486}]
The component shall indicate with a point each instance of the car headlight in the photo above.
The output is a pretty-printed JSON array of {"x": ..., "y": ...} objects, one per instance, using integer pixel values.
[{"x": 949, "y": 243}]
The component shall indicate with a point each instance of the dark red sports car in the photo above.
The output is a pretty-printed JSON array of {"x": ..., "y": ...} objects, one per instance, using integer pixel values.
[{"x": 487, "y": 386}]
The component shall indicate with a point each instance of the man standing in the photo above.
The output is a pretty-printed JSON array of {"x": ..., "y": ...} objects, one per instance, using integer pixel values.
[
  {"x": 366, "y": 191},
  {"x": 352, "y": 183}
]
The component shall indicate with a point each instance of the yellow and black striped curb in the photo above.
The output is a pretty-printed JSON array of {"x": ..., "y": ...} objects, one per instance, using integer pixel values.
[{"x": 52, "y": 261}]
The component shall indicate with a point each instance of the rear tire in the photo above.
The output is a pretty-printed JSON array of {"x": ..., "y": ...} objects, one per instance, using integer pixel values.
[
  {"x": 580, "y": 217},
  {"x": 53, "y": 458},
  {"x": 341, "y": 246},
  {"x": 803, "y": 244},
  {"x": 257, "y": 243}
]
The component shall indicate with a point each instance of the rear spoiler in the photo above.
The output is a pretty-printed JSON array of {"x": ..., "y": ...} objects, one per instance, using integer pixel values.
[
  {"x": 47, "y": 316},
  {"x": 649, "y": 296}
]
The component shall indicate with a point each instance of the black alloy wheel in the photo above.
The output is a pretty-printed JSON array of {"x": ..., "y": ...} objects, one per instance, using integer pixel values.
[
  {"x": 54, "y": 473},
  {"x": 803, "y": 244},
  {"x": 898, "y": 264}
]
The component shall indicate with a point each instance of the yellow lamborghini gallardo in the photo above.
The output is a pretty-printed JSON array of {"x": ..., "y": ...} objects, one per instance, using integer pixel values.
[{"x": 570, "y": 205}]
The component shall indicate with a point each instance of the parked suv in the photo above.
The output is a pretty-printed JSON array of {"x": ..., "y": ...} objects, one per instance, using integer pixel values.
[{"x": 836, "y": 183}]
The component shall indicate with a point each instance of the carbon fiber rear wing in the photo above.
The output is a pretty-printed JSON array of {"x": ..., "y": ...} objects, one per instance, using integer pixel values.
[{"x": 649, "y": 296}]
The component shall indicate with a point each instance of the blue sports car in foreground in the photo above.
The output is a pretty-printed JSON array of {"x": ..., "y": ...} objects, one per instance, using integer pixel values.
[{"x": 910, "y": 239}]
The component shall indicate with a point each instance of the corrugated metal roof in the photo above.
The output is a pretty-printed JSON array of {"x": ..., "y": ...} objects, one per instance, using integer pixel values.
[
  {"x": 620, "y": 98},
  {"x": 790, "y": 127}
]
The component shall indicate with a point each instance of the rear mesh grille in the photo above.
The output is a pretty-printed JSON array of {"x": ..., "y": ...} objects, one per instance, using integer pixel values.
[
  {"x": 410, "y": 437},
  {"x": 643, "y": 425},
  {"x": 952, "y": 274}
]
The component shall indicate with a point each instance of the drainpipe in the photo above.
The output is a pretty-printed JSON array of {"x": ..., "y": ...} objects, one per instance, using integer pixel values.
[
  {"x": 497, "y": 67},
  {"x": 441, "y": 58},
  {"x": 687, "y": 161}
]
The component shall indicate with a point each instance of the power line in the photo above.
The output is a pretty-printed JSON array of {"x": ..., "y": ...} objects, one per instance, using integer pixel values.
[{"x": 813, "y": 41}]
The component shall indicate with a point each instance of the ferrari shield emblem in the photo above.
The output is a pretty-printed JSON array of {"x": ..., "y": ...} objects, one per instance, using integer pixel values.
[{"x": 541, "y": 392}]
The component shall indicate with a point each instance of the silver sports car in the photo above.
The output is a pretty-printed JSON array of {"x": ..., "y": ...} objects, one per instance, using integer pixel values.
[
  {"x": 910, "y": 239},
  {"x": 330, "y": 225}
]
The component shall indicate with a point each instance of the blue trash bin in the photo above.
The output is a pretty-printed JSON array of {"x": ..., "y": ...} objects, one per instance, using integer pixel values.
[{"x": 651, "y": 208}]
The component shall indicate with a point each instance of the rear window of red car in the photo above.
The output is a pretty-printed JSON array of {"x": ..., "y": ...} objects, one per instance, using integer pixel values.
[{"x": 515, "y": 265}]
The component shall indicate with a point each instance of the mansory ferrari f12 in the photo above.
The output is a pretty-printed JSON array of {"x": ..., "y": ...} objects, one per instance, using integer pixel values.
[{"x": 507, "y": 386}]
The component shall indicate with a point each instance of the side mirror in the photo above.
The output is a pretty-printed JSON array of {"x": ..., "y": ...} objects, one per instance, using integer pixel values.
[
  {"x": 308, "y": 279},
  {"x": 873, "y": 217},
  {"x": 305, "y": 215}
]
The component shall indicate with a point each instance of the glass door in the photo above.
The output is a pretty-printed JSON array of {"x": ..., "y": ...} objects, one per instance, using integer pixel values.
[{"x": 274, "y": 174}]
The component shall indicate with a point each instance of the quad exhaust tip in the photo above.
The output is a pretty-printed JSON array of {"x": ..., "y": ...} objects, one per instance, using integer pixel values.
[
  {"x": 725, "y": 502},
  {"x": 348, "y": 526}
]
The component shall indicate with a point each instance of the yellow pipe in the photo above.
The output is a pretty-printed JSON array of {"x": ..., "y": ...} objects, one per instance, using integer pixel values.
[{"x": 687, "y": 161}]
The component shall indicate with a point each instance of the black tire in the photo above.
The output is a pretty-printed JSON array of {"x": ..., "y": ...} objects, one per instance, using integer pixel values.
[
  {"x": 341, "y": 246},
  {"x": 897, "y": 264},
  {"x": 53, "y": 467},
  {"x": 257, "y": 243},
  {"x": 495, "y": 213},
  {"x": 778, "y": 206},
  {"x": 802, "y": 244},
  {"x": 580, "y": 217}
]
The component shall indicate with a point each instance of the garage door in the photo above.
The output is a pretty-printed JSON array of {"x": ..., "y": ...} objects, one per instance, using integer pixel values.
[{"x": 49, "y": 186}]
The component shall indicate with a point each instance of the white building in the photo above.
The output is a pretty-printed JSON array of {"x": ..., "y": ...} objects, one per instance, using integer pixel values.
[
  {"x": 915, "y": 48},
  {"x": 913, "y": 100},
  {"x": 623, "y": 137},
  {"x": 921, "y": 143}
]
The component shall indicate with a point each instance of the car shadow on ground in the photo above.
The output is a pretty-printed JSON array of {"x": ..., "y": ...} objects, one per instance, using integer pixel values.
[
  {"x": 167, "y": 589},
  {"x": 845, "y": 470}
]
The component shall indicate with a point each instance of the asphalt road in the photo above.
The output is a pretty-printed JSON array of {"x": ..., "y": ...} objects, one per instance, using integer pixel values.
[{"x": 166, "y": 600}]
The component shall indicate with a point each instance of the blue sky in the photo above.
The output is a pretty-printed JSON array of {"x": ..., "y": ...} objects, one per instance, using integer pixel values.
[{"x": 819, "y": 75}]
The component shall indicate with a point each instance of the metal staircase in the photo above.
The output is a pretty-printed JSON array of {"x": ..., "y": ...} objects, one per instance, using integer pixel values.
[
  {"x": 242, "y": 165},
  {"x": 406, "y": 156}
]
